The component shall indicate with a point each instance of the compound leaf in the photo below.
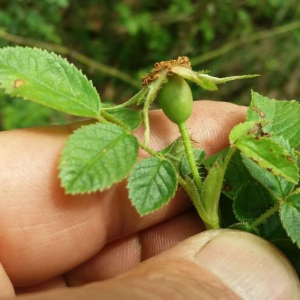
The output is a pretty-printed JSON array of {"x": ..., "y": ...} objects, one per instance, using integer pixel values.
[
  {"x": 151, "y": 184},
  {"x": 95, "y": 157},
  {"x": 46, "y": 78}
]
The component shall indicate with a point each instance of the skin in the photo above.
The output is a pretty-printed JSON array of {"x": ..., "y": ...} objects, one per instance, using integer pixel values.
[{"x": 50, "y": 241}]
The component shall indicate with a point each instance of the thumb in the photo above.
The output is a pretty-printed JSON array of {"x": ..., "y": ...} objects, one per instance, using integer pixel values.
[{"x": 219, "y": 264}]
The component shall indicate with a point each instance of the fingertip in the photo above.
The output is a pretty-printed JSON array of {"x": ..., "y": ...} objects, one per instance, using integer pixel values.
[{"x": 211, "y": 123}]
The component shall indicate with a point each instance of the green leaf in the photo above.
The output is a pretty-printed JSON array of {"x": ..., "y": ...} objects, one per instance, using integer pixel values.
[
  {"x": 241, "y": 130},
  {"x": 204, "y": 80},
  {"x": 251, "y": 202},
  {"x": 244, "y": 226},
  {"x": 278, "y": 186},
  {"x": 46, "y": 78},
  {"x": 227, "y": 215},
  {"x": 278, "y": 118},
  {"x": 199, "y": 157},
  {"x": 95, "y": 157},
  {"x": 271, "y": 156},
  {"x": 290, "y": 217},
  {"x": 273, "y": 231},
  {"x": 236, "y": 175},
  {"x": 130, "y": 118},
  {"x": 151, "y": 184}
]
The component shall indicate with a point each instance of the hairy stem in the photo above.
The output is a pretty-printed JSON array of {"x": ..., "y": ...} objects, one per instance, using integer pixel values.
[
  {"x": 211, "y": 200},
  {"x": 190, "y": 155},
  {"x": 266, "y": 215}
]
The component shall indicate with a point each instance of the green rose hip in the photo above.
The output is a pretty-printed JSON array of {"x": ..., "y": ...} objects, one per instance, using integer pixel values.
[{"x": 176, "y": 99}]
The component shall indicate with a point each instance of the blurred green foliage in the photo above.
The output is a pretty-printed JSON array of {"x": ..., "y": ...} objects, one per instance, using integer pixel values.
[{"x": 131, "y": 35}]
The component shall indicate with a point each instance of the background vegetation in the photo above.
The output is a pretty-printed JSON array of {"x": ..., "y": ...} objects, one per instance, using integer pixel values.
[{"x": 115, "y": 42}]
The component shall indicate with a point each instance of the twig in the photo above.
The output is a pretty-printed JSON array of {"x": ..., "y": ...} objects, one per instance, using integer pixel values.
[
  {"x": 265, "y": 34},
  {"x": 74, "y": 54}
]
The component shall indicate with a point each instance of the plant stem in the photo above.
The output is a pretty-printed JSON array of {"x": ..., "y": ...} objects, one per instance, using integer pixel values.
[
  {"x": 72, "y": 53},
  {"x": 266, "y": 215},
  {"x": 190, "y": 155},
  {"x": 212, "y": 190}
]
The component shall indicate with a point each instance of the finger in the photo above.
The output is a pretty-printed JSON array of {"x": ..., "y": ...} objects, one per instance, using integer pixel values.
[
  {"x": 52, "y": 284},
  {"x": 122, "y": 255},
  {"x": 44, "y": 232},
  {"x": 6, "y": 287},
  {"x": 213, "y": 265}
]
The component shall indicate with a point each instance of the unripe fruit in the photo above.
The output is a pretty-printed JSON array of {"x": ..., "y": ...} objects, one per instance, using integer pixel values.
[{"x": 176, "y": 99}]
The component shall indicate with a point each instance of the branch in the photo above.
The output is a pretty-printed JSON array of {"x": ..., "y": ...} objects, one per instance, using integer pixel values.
[
  {"x": 74, "y": 54},
  {"x": 265, "y": 34}
]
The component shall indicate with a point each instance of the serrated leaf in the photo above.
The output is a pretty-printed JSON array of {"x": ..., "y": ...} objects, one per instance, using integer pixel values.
[
  {"x": 185, "y": 167},
  {"x": 151, "y": 184},
  {"x": 95, "y": 157},
  {"x": 278, "y": 118},
  {"x": 241, "y": 130},
  {"x": 130, "y": 118},
  {"x": 290, "y": 217},
  {"x": 278, "y": 186},
  {"x": 244, "y": 226},
  {"x": 236, "y": 175},
  {"x": 273, "y": 231},
  {"x": 271, "y": 156},
  {"x": 251, "y": 201},
  {"x": 48, "y": 79},
  {"x": 227, "y": 215},
  {"x": 204, "y": 80}
]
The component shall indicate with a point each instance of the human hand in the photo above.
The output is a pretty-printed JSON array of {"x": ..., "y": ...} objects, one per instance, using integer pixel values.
[{"x": 51, "y": 241}]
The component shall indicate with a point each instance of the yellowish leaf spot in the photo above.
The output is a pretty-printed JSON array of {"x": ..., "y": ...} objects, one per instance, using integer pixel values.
[{"x": 18, "y": 83}]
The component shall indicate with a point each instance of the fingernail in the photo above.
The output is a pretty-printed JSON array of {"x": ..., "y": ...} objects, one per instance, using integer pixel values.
[{"x": 249, "y": 266}]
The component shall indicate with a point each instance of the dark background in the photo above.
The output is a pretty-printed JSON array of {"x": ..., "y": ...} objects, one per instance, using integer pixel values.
[{"x": 121, "y": 40}]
